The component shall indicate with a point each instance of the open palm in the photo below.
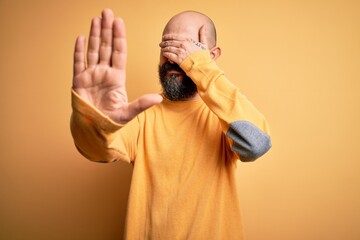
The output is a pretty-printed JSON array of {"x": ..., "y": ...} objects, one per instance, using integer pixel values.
[{"x": 101, "y": 81}]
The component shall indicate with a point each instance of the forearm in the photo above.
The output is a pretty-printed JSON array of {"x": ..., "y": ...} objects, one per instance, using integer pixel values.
[{"x": 245, "y": 126}]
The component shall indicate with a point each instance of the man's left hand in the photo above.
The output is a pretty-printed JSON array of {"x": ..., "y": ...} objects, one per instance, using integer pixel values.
[{"x": 176, "y": 48}]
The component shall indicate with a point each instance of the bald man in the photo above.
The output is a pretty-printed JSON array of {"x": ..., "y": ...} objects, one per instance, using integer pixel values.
[{"x": 184, "y": 144}]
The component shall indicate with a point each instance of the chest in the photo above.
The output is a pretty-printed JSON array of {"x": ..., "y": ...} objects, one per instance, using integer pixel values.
[{"x": 172, "y": 130}]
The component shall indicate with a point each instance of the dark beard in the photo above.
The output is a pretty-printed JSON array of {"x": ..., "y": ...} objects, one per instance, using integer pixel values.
[{"x": 176, "y": 86}]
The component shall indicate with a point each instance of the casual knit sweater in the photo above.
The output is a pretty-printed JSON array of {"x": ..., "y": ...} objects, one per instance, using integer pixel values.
[{"x": 184, "y": 156}]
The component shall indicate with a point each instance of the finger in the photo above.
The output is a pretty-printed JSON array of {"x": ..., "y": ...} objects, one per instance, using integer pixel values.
[
  {"x": 79, "y": 55},
  {"x": 94, "y": 42},
  {"x": 172, "y": 57},
  {"x": 106, "y": 36},
  {"x": 172, "y": 43},
  {"x": 119, "y": 45},
  {"x": 167, "y": 51},
  {"x": 137, "y": 106},
  {"x": 170, "y": 49},
  {"x": 164, "y": 44},
  {"x": 168, "y": 37}
]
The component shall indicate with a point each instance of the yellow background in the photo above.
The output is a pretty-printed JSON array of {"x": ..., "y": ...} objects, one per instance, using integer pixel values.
[{"x": 297, "y": 61}]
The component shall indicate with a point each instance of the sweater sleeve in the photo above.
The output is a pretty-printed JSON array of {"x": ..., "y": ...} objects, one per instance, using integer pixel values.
[
  {"x": 99, "y": 138},
  {"x": 245, "y": 127}
]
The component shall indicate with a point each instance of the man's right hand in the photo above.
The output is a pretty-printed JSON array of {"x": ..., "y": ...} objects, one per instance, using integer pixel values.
[{"x": 101, "y": 81}]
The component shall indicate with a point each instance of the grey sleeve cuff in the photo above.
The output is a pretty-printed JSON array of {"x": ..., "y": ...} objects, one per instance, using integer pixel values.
[{"x": 249, "y": 142}]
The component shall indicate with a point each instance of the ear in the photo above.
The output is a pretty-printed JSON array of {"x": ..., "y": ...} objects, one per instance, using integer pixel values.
[{"x": 215, "y": 52}]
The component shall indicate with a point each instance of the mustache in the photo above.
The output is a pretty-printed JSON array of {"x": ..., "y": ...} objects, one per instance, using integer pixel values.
[
  {"x": 178, "y": 86},
  {"x": 167, "y": 66}
]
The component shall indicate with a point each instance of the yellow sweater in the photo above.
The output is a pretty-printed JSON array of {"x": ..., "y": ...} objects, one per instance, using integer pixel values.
[{"x": 184, "y": 156}]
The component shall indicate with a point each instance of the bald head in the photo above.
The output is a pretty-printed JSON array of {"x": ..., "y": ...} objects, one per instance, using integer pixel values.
[{"x": 188, "y": 23}]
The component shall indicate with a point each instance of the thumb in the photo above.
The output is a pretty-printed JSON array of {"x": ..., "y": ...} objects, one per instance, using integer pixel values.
[
  {"x": 140, "y": 104},
  {"x": 202, "y": 36}
]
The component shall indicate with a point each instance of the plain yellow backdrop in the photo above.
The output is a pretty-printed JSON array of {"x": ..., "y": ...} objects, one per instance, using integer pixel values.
[{"x": 297, "y": 61}]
